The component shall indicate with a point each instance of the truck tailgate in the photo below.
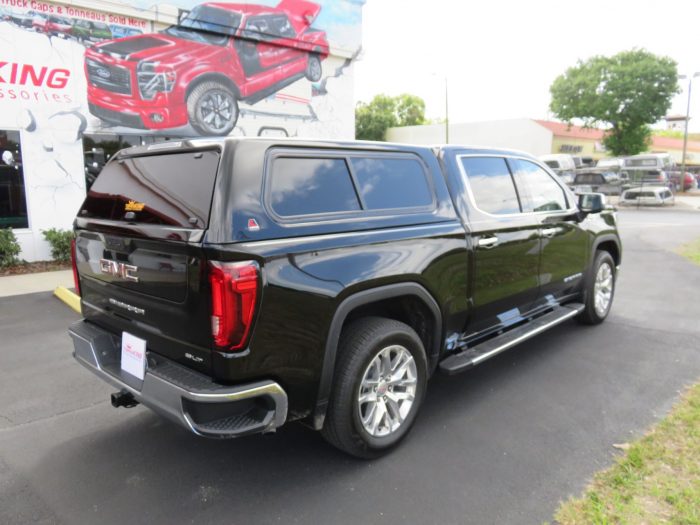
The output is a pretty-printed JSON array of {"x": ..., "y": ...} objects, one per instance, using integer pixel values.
[{"x": 138, "y": 253}]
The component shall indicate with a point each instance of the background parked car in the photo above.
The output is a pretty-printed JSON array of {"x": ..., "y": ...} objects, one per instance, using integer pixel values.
[
  {"x": 92, "y": 31},
  {"x": 118, "y": 31},
  {"x": 661, "y": 161},
  {"x": 53, "y": 25},
  {"x": 611, "y": 163},
  {"x": 561, "y": 164},
  {"x": 597, "y": 182},
  {"x": 689, "y": 182},
  {"x": 23, "y": 19},
  {"x": 651, "y": 195}
]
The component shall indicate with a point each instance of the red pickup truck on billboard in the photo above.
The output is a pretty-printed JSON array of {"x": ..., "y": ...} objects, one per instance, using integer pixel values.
[{"x": 197, "y": 71}]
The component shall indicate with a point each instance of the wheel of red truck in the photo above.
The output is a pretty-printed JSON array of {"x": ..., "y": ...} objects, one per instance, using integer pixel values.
[
  {"x": 600, "y": 289},
  {"x": 379, "y": 385},
  {"x": 313, "y": 68},
  {"x": 212, "y": 109}
]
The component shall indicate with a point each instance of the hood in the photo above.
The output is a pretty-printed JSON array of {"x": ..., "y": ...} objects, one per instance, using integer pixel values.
[
  {"x": 156, "y": 47},
  {"x": 126, "y": 47}
]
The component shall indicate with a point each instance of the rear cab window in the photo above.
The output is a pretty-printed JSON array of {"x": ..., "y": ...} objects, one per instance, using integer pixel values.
[
  {"x": 346, "y": 183},
  {"x": 170, "y": 189}
]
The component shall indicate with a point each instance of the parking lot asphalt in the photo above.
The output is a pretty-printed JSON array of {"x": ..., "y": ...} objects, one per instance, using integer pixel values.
[{"x": 502, "y": 444}]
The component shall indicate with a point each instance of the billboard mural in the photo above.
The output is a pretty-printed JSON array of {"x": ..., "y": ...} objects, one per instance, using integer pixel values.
[
  {"x": 217, "y": 69},
  {"x": 79, "y": 81}
]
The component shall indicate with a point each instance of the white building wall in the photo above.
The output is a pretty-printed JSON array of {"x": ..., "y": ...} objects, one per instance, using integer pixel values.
[{"x": 518, "y": 134}]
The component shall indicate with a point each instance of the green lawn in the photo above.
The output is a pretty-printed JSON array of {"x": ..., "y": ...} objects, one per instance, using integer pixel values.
[
  {"x": 692, "y": 251},
  {"x": 657, "y": 479}
]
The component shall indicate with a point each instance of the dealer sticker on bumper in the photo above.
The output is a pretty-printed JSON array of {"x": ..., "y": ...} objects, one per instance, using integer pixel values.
[{"x": 133, "y": 355}]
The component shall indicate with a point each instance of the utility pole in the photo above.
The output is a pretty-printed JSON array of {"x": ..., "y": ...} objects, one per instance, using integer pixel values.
[{"x": 685, "y": 133}]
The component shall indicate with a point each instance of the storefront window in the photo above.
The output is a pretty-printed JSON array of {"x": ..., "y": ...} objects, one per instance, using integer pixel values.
[
  {"x": 13, "y": 203},
  {"x": 99, "y": 148}
]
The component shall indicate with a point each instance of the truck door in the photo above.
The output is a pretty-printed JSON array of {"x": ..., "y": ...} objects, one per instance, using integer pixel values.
[
  {"x": 271, "y": 39},
  {"x": 505, "y": 244},
  {"x": 564, "y": 243}
]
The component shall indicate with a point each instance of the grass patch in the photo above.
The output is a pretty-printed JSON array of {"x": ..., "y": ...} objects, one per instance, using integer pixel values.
[
  {"x": 691, "y": 251},
  {"x": 657, "y": 480}
]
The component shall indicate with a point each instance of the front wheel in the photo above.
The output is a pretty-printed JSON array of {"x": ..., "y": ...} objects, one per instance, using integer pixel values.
[
  {"x": 380, "y": 381},
  {"x": 600, "y": 290},
  {"x": 212, "y": 109}
]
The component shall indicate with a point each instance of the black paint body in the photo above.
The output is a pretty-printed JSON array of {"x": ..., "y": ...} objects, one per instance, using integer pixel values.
[{"x": 318, "y": 273}]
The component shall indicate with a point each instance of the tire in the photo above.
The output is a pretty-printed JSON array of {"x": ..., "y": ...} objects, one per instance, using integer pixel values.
[
  {"x": 314, "y": 70},
  {"x": 603, "y": 273},
  {"x": 212, "y": 109},
  {"x": 362, "y": 343}
]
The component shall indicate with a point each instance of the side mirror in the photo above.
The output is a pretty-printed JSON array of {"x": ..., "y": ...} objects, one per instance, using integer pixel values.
[{"x": 591, "y": 202}]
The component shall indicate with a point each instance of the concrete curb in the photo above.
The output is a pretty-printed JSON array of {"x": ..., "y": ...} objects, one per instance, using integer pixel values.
[{"x": 68, "y": 297}]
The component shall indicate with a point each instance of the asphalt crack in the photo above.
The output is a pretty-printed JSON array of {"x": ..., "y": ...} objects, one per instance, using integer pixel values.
[{"x": 48, "y": 418}]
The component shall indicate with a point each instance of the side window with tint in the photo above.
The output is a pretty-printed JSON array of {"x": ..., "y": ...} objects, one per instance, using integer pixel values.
[
  {"x": 387, "y": 183},
  {"x": 304, "y": 186},
  {"x": 543, "y": 193},
  {"x": 491, "y": 185}
]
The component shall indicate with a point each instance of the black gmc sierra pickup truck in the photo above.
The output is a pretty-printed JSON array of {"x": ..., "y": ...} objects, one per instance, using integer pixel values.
[{"x": 233, "y": 285}]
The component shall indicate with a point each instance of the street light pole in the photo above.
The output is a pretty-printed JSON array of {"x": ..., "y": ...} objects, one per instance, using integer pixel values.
[{"x": 685, "y": 133}]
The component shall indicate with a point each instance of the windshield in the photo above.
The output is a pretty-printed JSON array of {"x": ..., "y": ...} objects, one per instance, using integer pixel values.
[
  {"x": 207, "y": 24},
  {"x": 196, "y": 35}
]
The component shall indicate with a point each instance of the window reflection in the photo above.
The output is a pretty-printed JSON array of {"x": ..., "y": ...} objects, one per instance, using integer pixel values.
[
  {"x": 98, "y": 148},
  {"x": 303, "y": 186},
  {"x": 491, "y": 185},
  {"x": 543, "y": 192},
  {"x": 379, "y": 180}
]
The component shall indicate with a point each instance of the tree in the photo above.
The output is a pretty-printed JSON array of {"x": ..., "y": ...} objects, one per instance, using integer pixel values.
[
  {"x": 628, "y": 92},
  {"x": 384, "y": 112}
]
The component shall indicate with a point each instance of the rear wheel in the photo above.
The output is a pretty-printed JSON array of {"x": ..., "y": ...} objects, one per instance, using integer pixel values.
[
  {"x": 313, "y": 68},
  {"x": 600, "y": 289},
  {"x": 380, "y": 381},
  {"x": 212, "y": 109}
]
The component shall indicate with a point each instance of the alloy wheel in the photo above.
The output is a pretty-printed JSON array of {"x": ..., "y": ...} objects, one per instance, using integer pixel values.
[
  {"x": 603, "y": 289},
  {"x": 387, "y": 391}
]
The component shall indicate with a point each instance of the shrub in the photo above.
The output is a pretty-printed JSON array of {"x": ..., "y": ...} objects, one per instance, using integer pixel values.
[
  {"x": 60, "y": 243},
  {"x": 9, "y": 248}
]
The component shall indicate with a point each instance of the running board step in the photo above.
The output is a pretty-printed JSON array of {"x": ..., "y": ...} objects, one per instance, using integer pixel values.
[{"x": 462, "y": 361}]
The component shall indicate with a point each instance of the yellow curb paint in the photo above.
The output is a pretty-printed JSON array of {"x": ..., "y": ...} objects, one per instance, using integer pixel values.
[{"x": 68, "y": 297}]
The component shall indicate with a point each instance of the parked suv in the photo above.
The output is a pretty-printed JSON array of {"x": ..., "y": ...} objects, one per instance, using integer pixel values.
[
  {"x": 197, "y": 71},
  {"x": 233, "y": 285}
]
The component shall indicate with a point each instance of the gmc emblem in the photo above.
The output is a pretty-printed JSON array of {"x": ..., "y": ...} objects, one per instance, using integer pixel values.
[{"x": 118, "y": 269}]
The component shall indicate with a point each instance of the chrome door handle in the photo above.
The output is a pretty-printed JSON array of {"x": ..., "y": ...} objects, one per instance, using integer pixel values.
[
  {"x": 549, "y": 232},
  {"x": 488, "y": 242}
]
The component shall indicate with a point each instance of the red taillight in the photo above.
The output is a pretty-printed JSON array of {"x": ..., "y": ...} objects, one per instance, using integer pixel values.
[
  {"x": 74, "y": 264},
  {"x": 234, "y": 293}
]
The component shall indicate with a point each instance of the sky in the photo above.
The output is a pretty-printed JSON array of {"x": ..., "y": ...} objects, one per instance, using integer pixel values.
[{"x": 501, "y": 56}]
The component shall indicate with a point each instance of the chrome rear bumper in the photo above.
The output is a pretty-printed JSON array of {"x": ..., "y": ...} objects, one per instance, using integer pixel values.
[{"x": 183, "y": 395}]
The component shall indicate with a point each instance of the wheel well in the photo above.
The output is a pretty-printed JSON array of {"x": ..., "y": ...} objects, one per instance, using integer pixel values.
[
  {"x": 213, "y": 77},
  {"x": 612, "y": 248},
  {"x": 407, "y": 309}
]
